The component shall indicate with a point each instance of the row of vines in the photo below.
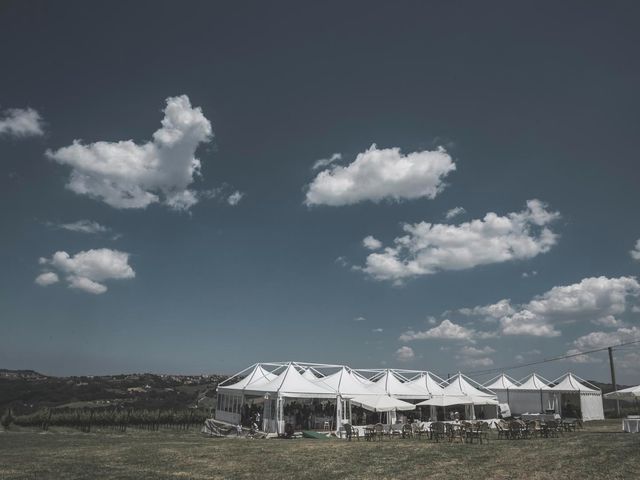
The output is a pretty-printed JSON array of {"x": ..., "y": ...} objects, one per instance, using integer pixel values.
[{"x": 112, "y": 419}]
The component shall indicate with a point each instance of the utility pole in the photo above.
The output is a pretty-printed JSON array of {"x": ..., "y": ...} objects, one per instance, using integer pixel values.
[{"x": 613, "y": 378}]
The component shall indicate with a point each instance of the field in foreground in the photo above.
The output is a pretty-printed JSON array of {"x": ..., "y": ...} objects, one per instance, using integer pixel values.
[{"x": 599, "y": 451}]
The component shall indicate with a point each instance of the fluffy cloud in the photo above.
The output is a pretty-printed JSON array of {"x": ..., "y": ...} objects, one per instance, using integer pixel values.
[
  {"x": 21, "y": 122},
  {"x": 47, "y": 278},
  {"x": 454, "y": 212},
  {"x": 371, "y": 243},
  {"x": 596, "y": 299},
  {"x": 382, "y": 174},
  {"x": 325, "y": 162},
  {"x": 88, "y": 269},
  {"x": 235, "y": 198},
  {"x": 635, "y": 253},
  {"x": 405, "y": 354},
  {"x": 447, "y": 330},
  {"x": 474, "y": 362},
  {"x": 84, "y": 226},
  {"x": 496, "y": 310},
  {"x": 428, "y": 248},
  {"x": 597, "y": 340},
  {"x": 129, "y": 175}
]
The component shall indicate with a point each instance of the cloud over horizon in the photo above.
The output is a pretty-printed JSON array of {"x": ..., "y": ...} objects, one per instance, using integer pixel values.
[{"x": 87, "y": 270}]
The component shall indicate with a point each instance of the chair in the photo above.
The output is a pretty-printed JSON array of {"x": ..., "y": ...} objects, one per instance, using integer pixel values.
[
  {"x": 407, "y": 431},
  {"x": 351, "y": 432},
  {"x": 503, "y": 430},
  {"x": 454, "y": 432},
  {"x": 480, "y": 431},
  {"x": 378, "y": 431},
  {"x": 437, "y": 431},
  {"x": 416, "y": 430}
]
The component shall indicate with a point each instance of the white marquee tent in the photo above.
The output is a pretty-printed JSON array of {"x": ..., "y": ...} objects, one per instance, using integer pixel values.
[
  {"x": 272, "y": 385},
  {"x": 631, "y": 393},
  {"x": 589, "y": 397}
]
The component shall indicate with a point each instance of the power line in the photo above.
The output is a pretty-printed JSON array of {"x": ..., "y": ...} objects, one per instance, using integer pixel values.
[{"x": 547, "y": 360}]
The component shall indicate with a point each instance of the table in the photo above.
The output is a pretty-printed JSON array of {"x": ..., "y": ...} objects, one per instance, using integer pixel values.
[
  {"x": 543, "y": 417},
  {"x": 631, "y": 425}
]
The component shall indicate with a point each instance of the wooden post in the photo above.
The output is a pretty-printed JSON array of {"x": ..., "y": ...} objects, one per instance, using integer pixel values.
[{"x": 613, "y": 378}]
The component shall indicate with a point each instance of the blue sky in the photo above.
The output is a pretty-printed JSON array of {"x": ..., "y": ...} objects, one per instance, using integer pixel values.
[{"x": 474, "y": 207}]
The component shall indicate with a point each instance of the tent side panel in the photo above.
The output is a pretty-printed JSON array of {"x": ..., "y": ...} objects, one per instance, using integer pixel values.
[
  {"x": 527, "y": 401},
  {"x": 591, "y": 406}
]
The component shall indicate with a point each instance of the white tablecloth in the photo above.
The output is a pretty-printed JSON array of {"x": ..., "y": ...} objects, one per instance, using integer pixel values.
[{"x": 631, "y": 425}]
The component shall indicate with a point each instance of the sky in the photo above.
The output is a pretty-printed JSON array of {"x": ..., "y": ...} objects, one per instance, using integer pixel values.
[{"x": 193, "y": 187}]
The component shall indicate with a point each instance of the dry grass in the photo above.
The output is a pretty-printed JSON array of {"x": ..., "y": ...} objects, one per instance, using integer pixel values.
[{"x": 597, "y": 452}]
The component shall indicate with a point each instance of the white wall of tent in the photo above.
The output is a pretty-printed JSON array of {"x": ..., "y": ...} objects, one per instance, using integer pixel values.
[{"x": 391, "y": 390}]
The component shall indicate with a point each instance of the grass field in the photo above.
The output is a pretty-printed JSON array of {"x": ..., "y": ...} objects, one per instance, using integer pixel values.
[{"x": 599, "y": 451}]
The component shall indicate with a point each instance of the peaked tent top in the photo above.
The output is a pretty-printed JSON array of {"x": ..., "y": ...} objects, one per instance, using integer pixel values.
[
  {"x": 348, "y": 383},
  {"x": 459, "y": 385},
  {"x": 533, "y": 382},
  {"x": 501, "y": 382},
  {"x": 309, "y": 375},
  {"x": 427, "y": 383},
  {"x": 571, "y": 383},
  {"x": 394, "y": 387},
  {"x": 258, "y": 376},
  {"x": 290, "y": 383}
]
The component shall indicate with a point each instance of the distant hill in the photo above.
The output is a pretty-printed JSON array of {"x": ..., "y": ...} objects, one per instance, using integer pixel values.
[{"x": 26, "y": 390}]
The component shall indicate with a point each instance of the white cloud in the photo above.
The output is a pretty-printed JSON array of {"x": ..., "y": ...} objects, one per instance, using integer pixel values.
[
  {"x": 129, "y": 175},
  {"x": 382, "y": 174},
  {"x": 496, "y": 310},
  {"x": 377, "y": 330},
  {"x": 608, "y": 321},
  {"x": 635, "y": 253},
  {"x": 359, "y": 319},
  {"x": 47, "y": 278},
  {"x": 454, "y": 212},
  {"x": 324, "y": 162},
  {"x": 21, "y": 122},
  {"x": 475, "y": 362},
  {"x": 597, "y": 340},
  {"x": 405, "y": 354},
  {"x": 447, "y": 330},
  {"x": 469, "y": 351},
  {"x": 87, "y": 270},
  {"x": 84, "y": 226},
  {"x": 371, "y": 243},
  {"x": 235, "y": 198},
  {"x": 595, "y": 299},
  {"x": 532, "y": 273},
  {"x": 428, "y": 248}
]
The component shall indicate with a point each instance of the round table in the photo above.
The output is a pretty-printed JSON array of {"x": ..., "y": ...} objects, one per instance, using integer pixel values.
[{"x": 631, "y": 425}]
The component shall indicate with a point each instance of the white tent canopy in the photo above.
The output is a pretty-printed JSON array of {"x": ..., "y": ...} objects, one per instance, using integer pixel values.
[
  {"x": 533, "y": 382},
  {"x": 460, "y": 386},
  {"x": 501, "y": 382},
  {"x": 290, "y": 383},
  {"x": 590, "y": 397},
  {"x": 396, "y": 388},
  {"x": 254, "y": 378},
  {"x": 348, "y": 383},
  {"x": 428, "y": 383},
  {"x": 631, "y": 393},
  {"x": 381, "y": 403}
]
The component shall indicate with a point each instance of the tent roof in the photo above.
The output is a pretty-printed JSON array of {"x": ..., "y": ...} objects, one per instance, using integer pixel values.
[
  {"x": 257, "y": 376},
  {"x": 309, "y": 375},
  {"x": 631, "y": 393},
  {"x": 394, "y": 387},
  {"x": 533, "y": 382},
  {"x": 427, "y": 383},
  {"x": 459, "y": 385},
  {"x": 501, "y": 382},
  {"x": 571, "y": 383},
  {"x": 348, "y": 383},
  {"x": 290, "y": 383},
  {"x": 381, "y": 403}
]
